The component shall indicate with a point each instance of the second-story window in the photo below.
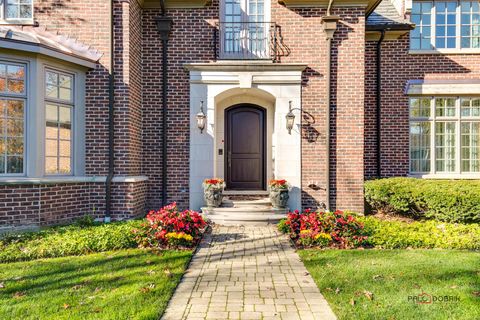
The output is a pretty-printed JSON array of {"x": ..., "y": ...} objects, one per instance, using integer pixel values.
[
  {"x": 16, "y": 11},
  {"x": 445, "y": 25},
  {"x": 244, "y": 29}
]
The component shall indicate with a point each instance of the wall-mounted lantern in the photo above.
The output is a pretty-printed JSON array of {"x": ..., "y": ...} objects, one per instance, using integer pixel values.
[
  {"x": 201, "y": 118},
  {"x": 290, "y": 117}
]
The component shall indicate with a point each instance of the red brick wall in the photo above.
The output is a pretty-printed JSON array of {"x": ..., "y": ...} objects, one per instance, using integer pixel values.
[
  {"x": 370, "y": 139},
  {"x": 303, "y": 35},
  {"x": 49, "y": 204},
  {"x": 89, "y": 24},
  {"x": 191, "y": 41},
  {"x": 62, "y": 203},
  {"x": 398, "y": 66}
]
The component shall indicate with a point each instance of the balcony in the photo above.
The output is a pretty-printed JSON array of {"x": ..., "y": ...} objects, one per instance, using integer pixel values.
[{"x": 246, "y": 41}]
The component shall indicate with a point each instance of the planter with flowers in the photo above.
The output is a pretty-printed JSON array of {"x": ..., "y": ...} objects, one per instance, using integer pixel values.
[
  {"x": 279, "y": 193},
  {"x": 213, "y": 192}
]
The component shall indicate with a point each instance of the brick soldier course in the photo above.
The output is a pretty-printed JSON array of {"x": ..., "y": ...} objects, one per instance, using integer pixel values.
[{"x": 247, "y": 273}]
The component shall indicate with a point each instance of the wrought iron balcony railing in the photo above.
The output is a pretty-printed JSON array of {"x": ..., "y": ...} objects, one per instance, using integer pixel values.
[{"x": 245, "y": 40}]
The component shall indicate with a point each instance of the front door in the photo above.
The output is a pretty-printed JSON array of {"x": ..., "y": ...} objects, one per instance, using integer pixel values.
[{"x": 245, "y": 145}]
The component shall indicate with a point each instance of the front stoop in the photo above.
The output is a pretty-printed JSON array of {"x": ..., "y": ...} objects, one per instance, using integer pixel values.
[{"x": 245, "y": 212}]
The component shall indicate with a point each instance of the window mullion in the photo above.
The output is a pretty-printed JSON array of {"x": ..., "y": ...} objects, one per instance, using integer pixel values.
[
  {"x": 433, "y": 167},
  {"x": 433, "y": 25},
  {"x": 458, "y": 34},
  {"x": 458, "y": 137}
]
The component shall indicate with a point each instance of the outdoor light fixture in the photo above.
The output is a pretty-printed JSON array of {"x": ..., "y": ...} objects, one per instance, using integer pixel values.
[
  {"x": 201, "y": 118},
  {"x": 290, "y": 118}
]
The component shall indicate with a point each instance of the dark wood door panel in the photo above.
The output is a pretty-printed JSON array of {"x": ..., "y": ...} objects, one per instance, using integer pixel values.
[{"x": 245, "y": 145}]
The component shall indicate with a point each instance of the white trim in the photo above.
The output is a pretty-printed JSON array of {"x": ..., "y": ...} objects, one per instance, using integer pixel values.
[
  {"x": 446, "y": 51},
  {"x": 443, "y": 87},
  {"x": 70, "y": 179},
  {"x": 446, "y": 176}
]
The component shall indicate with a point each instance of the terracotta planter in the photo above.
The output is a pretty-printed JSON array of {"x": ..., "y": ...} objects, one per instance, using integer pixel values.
[
  {"x": 279, "y": 198},
  {"x": 213, "y": 197}
]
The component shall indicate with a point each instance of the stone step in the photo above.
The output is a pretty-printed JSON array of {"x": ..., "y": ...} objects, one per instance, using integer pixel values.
[
  {"x": 245, "y": 215},
  {"x": 238, "y": 211},
  {"x": 245, "y": 195},
  {"x": 250, "y": 219},
  {"x": 228, "y": 203}
]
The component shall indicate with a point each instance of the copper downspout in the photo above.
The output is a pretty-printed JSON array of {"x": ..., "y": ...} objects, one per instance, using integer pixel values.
[
  {"x": 111, "y": 122},
  {"x": 329, "y": 23}
]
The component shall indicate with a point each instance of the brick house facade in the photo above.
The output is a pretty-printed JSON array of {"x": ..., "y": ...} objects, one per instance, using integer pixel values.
[{"x": 288, "y": 66}]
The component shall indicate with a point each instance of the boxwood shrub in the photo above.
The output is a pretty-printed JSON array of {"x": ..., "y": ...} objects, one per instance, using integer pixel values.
[
  {"x": 77, "y": 239},
  {"x": 421, "y": 234},
  {"x": 443, "y": 200}
]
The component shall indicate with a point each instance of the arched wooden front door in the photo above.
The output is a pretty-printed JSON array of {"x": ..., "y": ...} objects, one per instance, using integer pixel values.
[{"x": 245, "y": 132}]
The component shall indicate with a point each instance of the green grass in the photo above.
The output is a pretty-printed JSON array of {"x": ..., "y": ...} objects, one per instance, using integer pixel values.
[
  {"x": 125, "y": 284},
  {"x": 394, "y": 275}
]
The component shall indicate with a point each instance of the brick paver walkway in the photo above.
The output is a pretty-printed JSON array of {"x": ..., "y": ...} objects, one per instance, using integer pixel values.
[{"x": 247, "y": 273}]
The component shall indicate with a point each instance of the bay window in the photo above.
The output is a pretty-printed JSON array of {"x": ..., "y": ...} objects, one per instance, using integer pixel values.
[
  {"x": 42, "y": 119},
  {"x": 444, "y": 135},
  {"x": 12, "y": 114},
  {"x": 445, "y": 25}
]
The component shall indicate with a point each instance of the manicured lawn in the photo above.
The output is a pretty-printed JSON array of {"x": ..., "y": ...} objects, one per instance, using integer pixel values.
[
  {"x": 125, "y": 284},
  {"x": 394, "y": 275}
]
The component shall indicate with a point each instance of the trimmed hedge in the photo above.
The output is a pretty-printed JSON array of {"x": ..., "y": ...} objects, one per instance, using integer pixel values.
[
  {"x": 425, "y": 234},
  {"x": 443, "y": 200},
  {"x": 70, "y": 240}
]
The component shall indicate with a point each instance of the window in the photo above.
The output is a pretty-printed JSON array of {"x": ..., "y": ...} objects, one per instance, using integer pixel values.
[
  {"x": 12, "y": 114},
  {"x": 17, "y": 10},
  {"x": 445, "y": 25},
  {"x": 444, "y": 135},
  {"x": 58, "y": 119},
  {"x": 244, "y": 32}
]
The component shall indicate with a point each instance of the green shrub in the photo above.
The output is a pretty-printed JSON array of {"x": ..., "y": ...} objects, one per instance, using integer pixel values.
[
  {"x": 424, "y": 234},
  {"x": 443, "y": 200},
  {"x": 76, "y": 239},
  {"x": 282, "y": 226}
]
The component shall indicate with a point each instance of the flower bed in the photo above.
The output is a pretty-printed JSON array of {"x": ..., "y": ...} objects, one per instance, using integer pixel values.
[
  {"x": 171, "y": 228},
  {"x": 324, "y": 229}
]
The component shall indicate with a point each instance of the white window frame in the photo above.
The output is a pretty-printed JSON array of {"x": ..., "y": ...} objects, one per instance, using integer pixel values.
[
  {"x": 24, "y": 97},
  {"x": 244, "y": 11},
  {"x": 64, "y": 103},
  {"x": 433, "y": 16},
  {"x": 6, "y": 21},
  {"x": 433, "y": 119}
]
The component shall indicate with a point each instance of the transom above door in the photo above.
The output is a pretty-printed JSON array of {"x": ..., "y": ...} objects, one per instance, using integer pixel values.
[{"x": 245, "y": 144}]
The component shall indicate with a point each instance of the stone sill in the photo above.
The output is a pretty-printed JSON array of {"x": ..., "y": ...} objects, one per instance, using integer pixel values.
[
  {"x": 68, "y": 180},
  {"x": 445, "y": 51},
  {"x": 447, "y": 176}
]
